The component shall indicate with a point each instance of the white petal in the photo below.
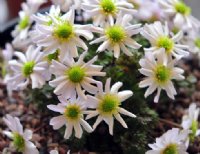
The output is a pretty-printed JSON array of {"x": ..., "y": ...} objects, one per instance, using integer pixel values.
[
  {"x": 86, "y": 126},
  {"x": 125, "y": 112},
  {"x": 68, "y": 131},
  {"x": 78, "y": 130},
  {"x": 123, "y": 95},
  {"x": 28, "y": 134},
  {"x": 122, "y": 122},
  {"x": 56, "y": 108},
  {"x": 116, "y": 87},
  {"x": 110, "y": 122},
  {"x": 57, "y": 122}
]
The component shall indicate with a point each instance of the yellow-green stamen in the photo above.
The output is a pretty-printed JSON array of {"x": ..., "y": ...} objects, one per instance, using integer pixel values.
[
  {"x": 165, "y": 42},
  {"x": 108, "y": 6},
  {"x": 63, "y": 31},
  {"x": 27, "y": 69},
  {"x": 182, "y": 8},
  {"x": 116, "y": 34},
  {"x": 162, "y": 74},
  {"x": 73, "y": 112},
  {"x": 24, "y": 22},
  {"x": 194, "y": 128},
  {"x": 76, "y": 74},
  {"x": 109, "y": 104},
  {"x": 171, "y": 149},
  {"x": 19, "y": 142}
]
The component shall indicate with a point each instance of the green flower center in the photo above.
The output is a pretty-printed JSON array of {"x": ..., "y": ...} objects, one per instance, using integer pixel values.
[
  {"x": 19, "y": 142},
  {"x": 116, "y": 34},
  {"x": 27, "y": 69},
  {"x": 182, "y": 8},
  {"x": 72, "y": 112},
  {"x": 193, "y": 128},
  {"x": 197, "y": 42},
  {"x": 108, "y": 6},
  {"x": 162, "y": 74},
  {"x": 171, "y": 149},
  {"x": 50, "y": 22},
  {"x": 53, "y": 56},
  {"x": 76, "y": 74},
  {"x": 165, "y": 42},
  {"x": 108, "y": 104},
  {"x": 64, "y": 31},
  {"x": 24, "y": 22}
]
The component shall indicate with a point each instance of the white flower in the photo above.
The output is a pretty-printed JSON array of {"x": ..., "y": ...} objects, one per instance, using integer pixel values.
[
  {"x": 192, "y": 39},
  {"x": 159, "y": 72},
  {"x": 6, "y": 71},
  {"x": 72, "y": 76},
  {"x": 146, "y": 13},
  {"x": 106, "y": 10},
  {"x": 45, "y": 19},
  {"x": 159, "y": 37},
  {"x": 71, "y": 111},
  {"x": 63, "y": 34},
  {"x": 66, "y": 4},
  {"x": 35, "y": 4},
  {"x": 172, "y": 142},
  {"x": 116, "y": 37},
  {"x": 190, "y": 121},
  {"x": 29, "y": 68},
  {"x": 107, "y": 104},
  {"x": 21, "y": 139},
  {"x": 21, "y": 31},
  {"x": 8, "y": 52},
  {"x": 54, "y": 152},
  {"x": 180, "y": 12}
]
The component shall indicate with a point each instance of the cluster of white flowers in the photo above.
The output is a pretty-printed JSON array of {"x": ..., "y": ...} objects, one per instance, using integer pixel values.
[
  {"x": 176, "y": 141},
  {"x": 55, "y": 47}
]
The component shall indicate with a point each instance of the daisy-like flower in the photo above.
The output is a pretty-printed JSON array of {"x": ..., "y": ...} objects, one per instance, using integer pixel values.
[
  {"x": 106, "y": 10},
  {"x": 192, "y": 39},
  {"x": 117, "y": 37},
  {"x": 107, "y": 105},
  {"x": 66, "y": 4},
  {"x": 159, "y": 37},
  {"x": 71, "y": 111},
  {"x": 146, "y": 13},
  {"x": 172, "y": 142},
  {"x": 6, "y": 71},
  {"x": 21, "y": 139},
  {"x": 35, "y": 4},
  {"x": 64, "y": 35},
  {"x": 21, "y": 30},
  {"x": 180, "y": 12},
  {"x": 72, "y": 76},
  {"x": 29, "y": 68},
  {"x": 8, "y": 52},
  {"x": 190, "y": 121},
  {"x": 45, "y": 19},
  {"x": 159, "y": 72}
]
